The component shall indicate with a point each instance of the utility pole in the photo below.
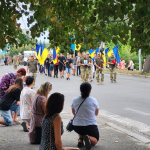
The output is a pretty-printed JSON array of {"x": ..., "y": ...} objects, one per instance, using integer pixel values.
[{"x": 140, "y": 61}]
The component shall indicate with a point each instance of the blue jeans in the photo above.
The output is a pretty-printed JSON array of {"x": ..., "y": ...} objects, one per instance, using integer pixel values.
[
  {"x": 7, "y": 114},
  {"x": 49, "y": 73}
]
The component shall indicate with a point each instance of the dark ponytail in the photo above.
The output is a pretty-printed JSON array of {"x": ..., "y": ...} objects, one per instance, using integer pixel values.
[
  {"x": 29, "y": 80},
  {"x": 85, "y": 89}
]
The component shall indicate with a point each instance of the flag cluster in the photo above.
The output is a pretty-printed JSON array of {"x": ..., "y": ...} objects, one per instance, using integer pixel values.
[
  {"x": 41, "y": 53},
  {"x": 106, "y": 53}
]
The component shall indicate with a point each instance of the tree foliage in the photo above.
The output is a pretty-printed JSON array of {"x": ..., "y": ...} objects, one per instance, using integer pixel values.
[{"x": 88, "y": 21}]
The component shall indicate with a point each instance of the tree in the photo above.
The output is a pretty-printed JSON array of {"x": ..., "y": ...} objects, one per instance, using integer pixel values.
[{"x": 88, "y": 21}]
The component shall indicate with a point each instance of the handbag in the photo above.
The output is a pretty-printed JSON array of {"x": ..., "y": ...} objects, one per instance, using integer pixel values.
[
  {"x": 69, "y": 127},
  {"x": 37, "y": 130}
]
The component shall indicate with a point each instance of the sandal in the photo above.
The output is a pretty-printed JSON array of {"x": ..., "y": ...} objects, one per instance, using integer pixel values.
[
  {"x": 25, "y": 129},
  {"x": 87, "y": 142},
  {"x": 79, "y": 143}
]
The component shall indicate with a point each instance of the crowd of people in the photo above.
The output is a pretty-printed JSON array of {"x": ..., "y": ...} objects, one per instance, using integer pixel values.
[{"x": 40, "y": 114}]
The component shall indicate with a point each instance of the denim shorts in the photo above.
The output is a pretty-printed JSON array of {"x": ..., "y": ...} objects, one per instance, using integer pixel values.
[
  {"x": 7, "y": 114},
  {"x": 68, "y": 70}
]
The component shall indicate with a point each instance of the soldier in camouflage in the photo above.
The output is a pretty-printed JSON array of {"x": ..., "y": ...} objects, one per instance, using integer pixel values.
[
  {"x": 89, "y": 66},
  {"x": 99, "y": 68},
  {"x": 21, "y": 59},
  {"x": 15, "y": 62},
  {"x": 81, "y": 67},
  {"x": 112, "y": 67},
  {"x": 85, "y": 71}
]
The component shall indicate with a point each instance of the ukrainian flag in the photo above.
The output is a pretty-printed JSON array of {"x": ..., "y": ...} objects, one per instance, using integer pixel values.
[
  {"x": 55, "y": 52},
  {"x": 44, "y": 53}
]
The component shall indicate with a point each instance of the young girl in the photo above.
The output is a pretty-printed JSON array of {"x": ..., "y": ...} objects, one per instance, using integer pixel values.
[
  {"x": 26, "y": 103},
  {"x": 11, "y": 101}
]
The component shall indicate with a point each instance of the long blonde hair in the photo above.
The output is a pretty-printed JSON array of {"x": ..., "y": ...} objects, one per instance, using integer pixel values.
[{"x": 44, "y": 89}]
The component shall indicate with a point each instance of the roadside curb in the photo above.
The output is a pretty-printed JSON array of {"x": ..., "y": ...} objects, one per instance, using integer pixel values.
[
  {"x": 1, "y": 64},
  {"x": 135, "y": 75}
]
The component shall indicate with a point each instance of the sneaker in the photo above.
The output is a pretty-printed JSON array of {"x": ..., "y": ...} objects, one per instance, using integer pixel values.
[
  {"x": 91, "y": 80},
  {"x": 111, "y": 81},
  {"x": 115, "y": 81},
  {"x": 98, "y": 83},
  {"x": 66, "y": 78},
  {"x": 24, "y": 125},
  {"x": 102, "y": 83},
  {"x": 87, "y": 142}
]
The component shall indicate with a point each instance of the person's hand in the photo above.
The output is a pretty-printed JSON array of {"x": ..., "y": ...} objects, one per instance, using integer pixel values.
[
  {"x": 18, "y": 103},
  {"x": 83, "y": 64},
  {"x": 99, "y": 68},
  {"x": 38, "y": 71},
  {"x": 66, "y": 61}
]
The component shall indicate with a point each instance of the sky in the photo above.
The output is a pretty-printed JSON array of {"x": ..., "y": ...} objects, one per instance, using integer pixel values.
[{"x": 23, "y": 22}]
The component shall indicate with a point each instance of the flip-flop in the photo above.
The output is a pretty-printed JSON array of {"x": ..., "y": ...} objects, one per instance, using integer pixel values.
[
  {"x": 87, "y": 142},
  {"x": 24, "y": 127}
]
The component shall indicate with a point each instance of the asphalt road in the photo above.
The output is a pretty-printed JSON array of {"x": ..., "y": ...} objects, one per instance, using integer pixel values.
[{"x": 126, "y": 102}]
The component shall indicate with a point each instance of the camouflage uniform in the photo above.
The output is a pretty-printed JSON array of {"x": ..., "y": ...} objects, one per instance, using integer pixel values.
[
  {"x": 81, "y": 68},
  {"x": 112, "y": 69},
  {"x": 21, "y": 60},
  {"x": 90, "y": 69},
  {"x": 18, "y": 60},
  {"x": 85, "y": 71},
  {"x": 15, "y": 62},
  {"x": 10, "y": 60},
  {"x": 98, "y": 71}
]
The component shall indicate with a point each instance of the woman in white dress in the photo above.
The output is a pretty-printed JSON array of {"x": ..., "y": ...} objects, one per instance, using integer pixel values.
[{"x": 26, "y": 103}]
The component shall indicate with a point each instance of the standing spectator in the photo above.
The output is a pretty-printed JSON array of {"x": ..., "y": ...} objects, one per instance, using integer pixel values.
[
  {"x": 38, "y": 109},
  {"x": 123, "y": 64},
  {"x": 144, "y": 63},
  {"x": 48, "y": 58},
  {"x": 78, "y": 64},
  {"x": 61, "y": 60},
  {"x": 26, "y": 103},
  {"x": 47, "y": 66},
  {"x": 94, "y": 67},
  {"x": 32, "y": 66},
  {"x": 10, "y": 102},
  {"x": 51, "y": 65},
  {"x": 68, "y": 63},
  {"x": 5, "y": 60},
  {"x": 74, "y": 62},
  {"x": 84, "y": 122},
  {"x": 112, "y": 67},
  {"x": 131, "y": 65},
  {"x": 9, "y": 79},
  {"x": 56, "y": 68}
]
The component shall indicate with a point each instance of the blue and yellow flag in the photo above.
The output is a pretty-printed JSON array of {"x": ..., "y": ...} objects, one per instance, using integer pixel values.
[
  {"x": 55, "y": 52},
  {"x": 44, "y": 53}
]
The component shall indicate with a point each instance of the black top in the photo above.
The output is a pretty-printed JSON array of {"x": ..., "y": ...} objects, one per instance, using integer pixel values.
[
  {"x": 9, "y": 98},
  {"x": 68, "y": 63},
  {"x": 62, "y": 60},
  {"x": 47, "y": 62}
]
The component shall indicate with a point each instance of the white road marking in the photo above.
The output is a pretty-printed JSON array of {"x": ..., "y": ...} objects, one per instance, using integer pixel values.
[
  {"x": 138, "y": 112},
  {"x": 126, "y": 122}
]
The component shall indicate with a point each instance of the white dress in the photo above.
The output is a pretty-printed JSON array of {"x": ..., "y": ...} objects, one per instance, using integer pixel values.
[{"x": 26, "y": 102}]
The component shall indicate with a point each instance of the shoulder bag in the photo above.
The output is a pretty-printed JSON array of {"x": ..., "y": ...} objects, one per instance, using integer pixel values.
[
  {"x": 37, "y": 130},
  {"x": 70, "y": 126}
]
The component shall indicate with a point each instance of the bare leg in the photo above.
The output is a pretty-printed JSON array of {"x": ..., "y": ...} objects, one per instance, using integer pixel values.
[
  {"x": 15, "y": 117},
  {"x": 2, "y": 122},
  {"x": 93, "y": 140}
]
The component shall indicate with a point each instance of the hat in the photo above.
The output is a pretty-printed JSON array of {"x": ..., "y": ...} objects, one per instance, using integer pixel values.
[
  {"x": 87, "y": 53},
  {"x": 98, "y": 53},
  {"x": 112, "y": 53},
  {"x": 31, "y": 55}
]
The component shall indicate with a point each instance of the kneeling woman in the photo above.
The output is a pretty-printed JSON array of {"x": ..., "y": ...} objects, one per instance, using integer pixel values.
[
  {"x": 84, "y": 122},
  {"x": 11, "y": 101},
  {"x": 52, "y": 126},
  {"x": 38, "y": 109}
]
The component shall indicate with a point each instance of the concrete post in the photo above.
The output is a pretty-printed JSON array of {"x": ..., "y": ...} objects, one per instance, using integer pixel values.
[{"x": 140, "y": 61}]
